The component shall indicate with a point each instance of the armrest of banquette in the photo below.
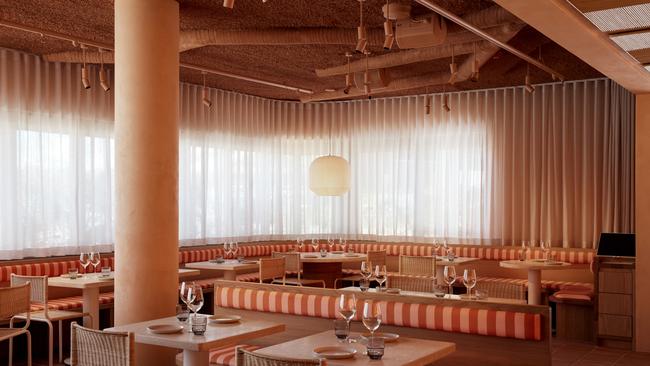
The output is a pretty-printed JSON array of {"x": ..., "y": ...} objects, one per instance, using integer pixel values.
[{"x": 488, "y": 333}]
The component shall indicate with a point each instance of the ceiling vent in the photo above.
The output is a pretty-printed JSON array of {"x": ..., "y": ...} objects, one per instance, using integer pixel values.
[{"x": 427, "y": 31}]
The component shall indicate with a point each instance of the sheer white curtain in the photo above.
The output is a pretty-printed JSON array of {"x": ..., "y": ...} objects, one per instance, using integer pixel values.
[{"x": 56, "y": 159}]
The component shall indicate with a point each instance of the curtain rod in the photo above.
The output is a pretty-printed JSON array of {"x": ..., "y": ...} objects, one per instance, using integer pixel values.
[
  {"x": 106, "y": 46},
  {"x": 481, "y": 33}
]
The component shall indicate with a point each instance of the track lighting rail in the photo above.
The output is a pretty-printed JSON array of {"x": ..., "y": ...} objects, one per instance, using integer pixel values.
[
  {"x": 429, "y": 4},
  {"x": 110, "y": 47}
]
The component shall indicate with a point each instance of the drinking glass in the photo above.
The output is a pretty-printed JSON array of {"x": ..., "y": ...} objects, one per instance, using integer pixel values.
[
  {"x": 375, "y": 348},
  {"x": 450, "y": 277},
  {"x": 84, "y": 259},
  {"x": 315, "y": 244},
  {"x": 198, "y": 299},
  {"x": 524, "y": 249},
  {"x": 546, "y": 248},
  {"x": 95, "y": 260},
  {"x": 341, "y": 329},
  {"x": 227, "y": 249},
  {"x": 182, "y": 313},
  {"x": 439, "y": 290},
  {"x": 235, "y": 248},
  {"x": 371, "y": 316},
  {"x": 343, "y": 244},
  {"x": 73, "y": 273},
  {"x": 380, "y": 275},
  {"x": 436, "y": 247},
  {"x": 323, "y": 252},
  {"x": 469, "y": 280},
  {"x": 347, "y": 308},
  {"x": 364, "y": 284},
  {"x": 186, "y": 293},
  {"x": 366, "y": 270},
  {"x": 106, "y": 271},
  {"x": 199, "y": 324},
  {"x": 299, "y": 244},
  {"x": 330, "y": 244}
]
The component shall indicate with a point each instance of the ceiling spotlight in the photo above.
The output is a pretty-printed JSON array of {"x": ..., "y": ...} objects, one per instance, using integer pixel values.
[
  {"x": 103, "y": 79},
  {"x": 349, "y": 75},
  {"x": 366, "y": 76},
  {"x": 228, "y": 3},
  {"x": 388, "y": 29},
  {"x": 527, "y": 85},
  {"x": 85, "y": 80},
  {"x": 362, "y": 41},
  {"x": 445, "y": 103},
  {"x": 453, "y": 68},
  {"x": 427, "y": 104},
  {"x": 206, "y": 101},
  {"x": 475, "y": 68}
]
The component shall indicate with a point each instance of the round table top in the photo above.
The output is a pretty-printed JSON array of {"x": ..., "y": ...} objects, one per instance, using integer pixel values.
[
  {"x": 332, "y": 258},
  {"x": 535, "y": 264}
]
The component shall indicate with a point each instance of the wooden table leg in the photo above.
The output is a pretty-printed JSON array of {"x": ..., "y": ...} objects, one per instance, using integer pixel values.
[
  {"x": 534, "y": 286},
  {"x": 230, "y": 275},
  {"x": 327, "y": 272},
  {"x": 196, "y": 358},
  {"x": 91, "y": 306}
]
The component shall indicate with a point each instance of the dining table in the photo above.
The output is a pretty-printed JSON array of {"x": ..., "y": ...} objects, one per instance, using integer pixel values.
[
  {"x": 90, "y": 285},
  {"x": 535, "y": 268},
  {"x": 196, "y": 348},
  {"x": 229, "y": 267},
  {"x": 404, "y": 351},
  {"x": 442, "y": 261},
  {"x": 327, "y": 267}
]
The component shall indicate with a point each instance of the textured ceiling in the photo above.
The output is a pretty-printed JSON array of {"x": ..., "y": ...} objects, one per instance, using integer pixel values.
[{"x": 293, "y": 65}]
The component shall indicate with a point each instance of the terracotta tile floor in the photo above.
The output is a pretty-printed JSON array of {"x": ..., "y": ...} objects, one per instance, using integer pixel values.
[{"x": 570, "y": 354}]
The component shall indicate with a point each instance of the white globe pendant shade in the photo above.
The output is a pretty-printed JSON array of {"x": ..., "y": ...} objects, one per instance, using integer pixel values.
[{"x": 329, "y": 176}]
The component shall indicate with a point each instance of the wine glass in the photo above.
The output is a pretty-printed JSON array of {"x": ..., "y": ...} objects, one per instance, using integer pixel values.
[
  {"x": 315, "y": 244},
  {"x": 227, "y": 249},
  {"x": 380, "y": 275},
  {"x": 436, "y": 247},
  {"x": 371, "y": 316},
  {"x": 95, "y": 260},
  {"x": 450, "y": 277},
  {"x": 366, "y": 270},
  {"x": 343, "y": 244},
  {"x": 299, "y": 243},
  {"x": 84, "y": 259},
  {"x": 197, "y": 298},
  {"x": 546, "y": 248},
  {"x": 347, "y": 308},
  {"x": 235, "y": 248},
  {"x": 330, "y": 244},
  {"x": 469, "y": 280},
  {"x": 187, "y": 296}
]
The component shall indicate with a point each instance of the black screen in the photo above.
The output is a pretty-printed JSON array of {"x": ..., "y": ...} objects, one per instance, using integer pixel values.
[{"x": 617, "y": 245}]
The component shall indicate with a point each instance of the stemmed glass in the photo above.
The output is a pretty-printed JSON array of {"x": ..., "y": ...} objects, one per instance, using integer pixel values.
[
  {"x": 546, "y": 248},
  {"x": 380, "y": 275},
  {"x": 436, "y": 247},
  {"x": 469, "y": 280},
  {"x": 450, "y": 277},
  {"x": 371, "y": 316},
  {"x": 227, "y": 249},
  {"x": 197, "y": 298},
  {"x": 330, "y": 244},
  {"x": 347, "y": 309},
  {"x": 95, "y": 260},
  {"x": 366, "y": 270},
  {"x": 84, "y": 259},
  {"x": 187, "y": 296},
  {"x": 315, "y": 244},
  {"x": 299, "y": 244},
  {"x": 344, "y": 244},
  {"x": 235, "y": 248}
]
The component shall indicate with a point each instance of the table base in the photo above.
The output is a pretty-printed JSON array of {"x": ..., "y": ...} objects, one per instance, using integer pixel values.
[
  {"x": 327, "y": 272},
  {"x": 195, "y": 358},
  {"x": 534, "y": 287}
]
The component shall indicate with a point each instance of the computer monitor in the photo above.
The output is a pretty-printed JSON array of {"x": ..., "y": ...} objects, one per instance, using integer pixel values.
[{"x": 617, "y": 245}]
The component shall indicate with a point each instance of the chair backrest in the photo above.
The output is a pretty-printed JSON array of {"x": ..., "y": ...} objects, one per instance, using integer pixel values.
[
  {"x": 416, "y": 266},
  {"x": 38, "y": 288},
  {"x": 411, "y": 283},
  {"x": 291, "y": 261},
  {"x": 97, "y": 348},
  {"x": 377, "y": 257},
  {"x": 505, "y": 290},
  {"x": 15, "y": 300},
  {"x": 272, "y": 268},
  {"x": 247, "y": 358}
]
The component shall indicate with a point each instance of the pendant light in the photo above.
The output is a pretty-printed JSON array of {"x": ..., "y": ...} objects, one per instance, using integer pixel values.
[
  {"x": 453, "y": 68},
  {"x": 427, "y": 103},
  {"x": 388, "y": 29},
  {"x": 329, "y": 175},
  {"x": 445, "y": 101},
  {"x": 362, "y": 39},
  {"x": 475, "y": 69},
  {"x": 103, "y": 79},
  {"x": 85, "y": 80},
  {"x": 206, "y": 101},
  {"x": 366, "y": 76},
  {"x": 527, "y": 85},
  {"x": 349, "y": 75}
]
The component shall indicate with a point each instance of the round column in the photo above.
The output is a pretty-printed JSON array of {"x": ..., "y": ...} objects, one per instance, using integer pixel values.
[{"x": 146, "y": 163}]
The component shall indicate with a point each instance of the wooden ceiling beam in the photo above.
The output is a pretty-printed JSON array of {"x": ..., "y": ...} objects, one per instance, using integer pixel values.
[
  {"x": 569, "y": 28},
  {"x": 595, "y": 5},
  {"x": 642, "y": 55}
]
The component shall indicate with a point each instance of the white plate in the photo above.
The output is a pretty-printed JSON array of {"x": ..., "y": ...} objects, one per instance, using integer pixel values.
[
  {"x": 392, "y": 291},
  {"x": 337, "y": 252},
  {"x": 224, "y": 319},
  {"x": 388, "y": 337},
  {"x": 350, "y": 255},
  {"x": 310, "y": 256},
  {"x": 554, "y": 263},
  {"x": 165, "y": 328},
  {"x": 335, "y": 352},
  {"x": 67, "y": 275}
]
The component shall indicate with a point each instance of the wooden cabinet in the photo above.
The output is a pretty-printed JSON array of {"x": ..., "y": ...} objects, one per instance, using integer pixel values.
[{"x": 615, "y": 301}]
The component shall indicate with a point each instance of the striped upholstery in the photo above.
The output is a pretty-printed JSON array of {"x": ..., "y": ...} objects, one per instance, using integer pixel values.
[
  {"x": 507, "y": 324},
  {"x": 249, "y": 277},
  {"x": 548, "y": 285},
  {"x": 575, "y": 256},
  {"x": 46, "y": 268},
  {"x": 74, "y": 302},
  {"x": 223, "y": 356}
]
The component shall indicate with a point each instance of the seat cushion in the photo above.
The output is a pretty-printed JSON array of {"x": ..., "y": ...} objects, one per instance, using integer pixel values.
[
  {"x": 224, "y": 356},
  {"x": 74, "y": 302},
  {"x": 573, "y": 297},
  {"x": 249, "y": 277}
]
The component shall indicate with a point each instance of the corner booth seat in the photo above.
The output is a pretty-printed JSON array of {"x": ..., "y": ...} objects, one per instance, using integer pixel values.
[{"x": 519, "y": 331}]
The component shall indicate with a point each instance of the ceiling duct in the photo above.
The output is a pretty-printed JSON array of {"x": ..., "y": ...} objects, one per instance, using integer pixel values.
[{"x": 426, "y": 31}]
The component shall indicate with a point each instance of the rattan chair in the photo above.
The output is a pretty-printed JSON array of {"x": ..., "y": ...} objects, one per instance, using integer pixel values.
[
  {"x": 90, "y": 347},
  {"x": 375, "y": 257},
  {"x": 417, "y": 266},
  {"x": 293, "y": 265},
  {"x": 500, "y": 289},
  {"x": 411, "y": 283},
  {"x": 16, "y": 300},
  {"x": 39, "y": 298},
  {"x": 247, "y": 358},
  {"x": 272, "y": 269}
]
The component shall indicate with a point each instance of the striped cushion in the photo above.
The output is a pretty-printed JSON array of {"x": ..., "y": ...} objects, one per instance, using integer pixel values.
[
  {"x": 47, "y": 268},
  {"x": 507, "y": 324},
  {"x": 548, "y": 285},
  {"x": 74, "y": 302},
  {"x": 206, "y": 283},
  {"x": 226, "y": 356},
  {"x": 249, "y": 277},
  {"x": 247, "y": 250}
]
